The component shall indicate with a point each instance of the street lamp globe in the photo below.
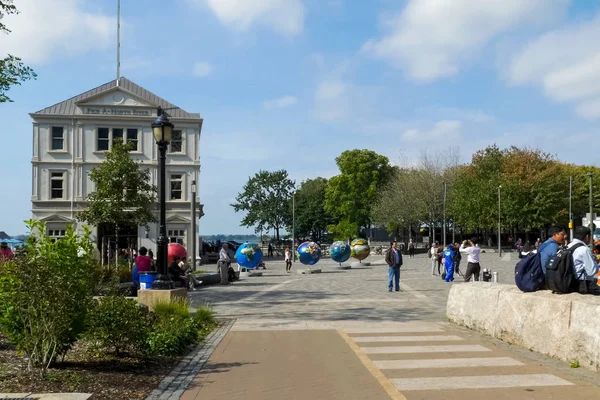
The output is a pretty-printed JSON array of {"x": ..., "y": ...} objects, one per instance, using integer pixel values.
[{"x": 162, "y": 128}]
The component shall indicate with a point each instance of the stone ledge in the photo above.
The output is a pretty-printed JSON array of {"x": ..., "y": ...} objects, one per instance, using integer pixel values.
[
  {"x": 561, "y": 326},
  {"x": 150, "y": 297}
]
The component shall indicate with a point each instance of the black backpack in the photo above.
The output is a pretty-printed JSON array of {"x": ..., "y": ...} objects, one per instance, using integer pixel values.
[{"x": 560, "y": 274}]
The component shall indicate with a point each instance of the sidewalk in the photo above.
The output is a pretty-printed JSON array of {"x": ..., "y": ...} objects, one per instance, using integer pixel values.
[{"x": 355, "y": 360}]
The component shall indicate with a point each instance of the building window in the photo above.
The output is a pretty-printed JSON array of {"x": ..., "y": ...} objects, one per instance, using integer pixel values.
[
  {"x": 103, "y": 139},
  {"x": 117, "y": 134},
  {"x": 132, "y": 137},
  {"x": 177, "y": 141},
  {"x": 176, "y": 236},
  {"x": 108, "y": 136},
  {"x": 58, "y": 139},
  {"x": 176, "y": 186},
  {"x": 56, "y": 234},
  {"x": 57, "y": 184}
]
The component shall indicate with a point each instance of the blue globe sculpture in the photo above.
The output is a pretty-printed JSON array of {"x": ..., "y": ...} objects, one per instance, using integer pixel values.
[
  {"x": 309, "y": 253},
  {"x": 340, "y": 251},
  {"x": 248, "y": 255}
]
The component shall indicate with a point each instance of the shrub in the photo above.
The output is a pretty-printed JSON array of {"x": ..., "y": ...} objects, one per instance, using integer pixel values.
[
  {"x": 168, "y": 309},
  {"x": 117, "y": 324},
  {"x": 174, "y": 329},
  {"x": 204, "y": 319},
  {"x": 45, "y": 293}
]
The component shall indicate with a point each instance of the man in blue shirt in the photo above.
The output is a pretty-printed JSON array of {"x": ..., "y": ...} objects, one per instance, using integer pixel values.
[
  {"x": 393, "y": 258},
  {"x": 549, "y": 248},
  {"x": 448, "y": 255}
]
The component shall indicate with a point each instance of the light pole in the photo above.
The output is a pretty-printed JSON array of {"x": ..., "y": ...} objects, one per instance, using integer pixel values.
[
  {"x": 499, "y": 222},
  {"x": 444, "y": 234},
  {"x": 162, "y": 129},
  {"x": 591, "y": 221},
  {"x": 294, "y": 225},
  {"x": 194, "y": 230},
  {"x": 570, "y": 208}
]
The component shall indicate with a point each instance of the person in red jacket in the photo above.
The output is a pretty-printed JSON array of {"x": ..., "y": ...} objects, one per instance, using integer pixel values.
[{"x": 5, "y": 252}]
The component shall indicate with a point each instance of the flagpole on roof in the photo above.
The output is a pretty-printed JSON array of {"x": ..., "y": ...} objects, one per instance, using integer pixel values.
[{"x": 118, "y": 40}]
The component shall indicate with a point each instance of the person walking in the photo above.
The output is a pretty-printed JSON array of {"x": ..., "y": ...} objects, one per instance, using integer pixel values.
[
  {"x": 223, "y": 265},
  {"x": 270, "y": 253},
  {"x": 433, "y": 256},
  {"x": 473, "y": 252},
  {"x": 448, "y": 255},
  {"x": 411, "y": 249},
  {"x": 288, "y": 260},
  {"x": 393, "y": 258},
  {"x": 457, "y": 259}
]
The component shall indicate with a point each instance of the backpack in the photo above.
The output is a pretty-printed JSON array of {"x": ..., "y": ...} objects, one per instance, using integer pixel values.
[
  {"x": 560, "y": 274},
  {"x": 529, "y": 275}
]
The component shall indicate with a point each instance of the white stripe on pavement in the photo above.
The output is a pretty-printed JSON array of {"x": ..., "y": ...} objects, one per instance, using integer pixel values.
[
  {"x": 479, "y": 382},
  {"x": 400, "y": 329},
  {"x": 423, "y": 349},
  {"x": 448, "y": 363},
  {"x": 373, "y": 339}
]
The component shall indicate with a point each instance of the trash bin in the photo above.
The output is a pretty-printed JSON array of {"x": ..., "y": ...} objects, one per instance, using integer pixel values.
[{"x": 146, "y": 280}]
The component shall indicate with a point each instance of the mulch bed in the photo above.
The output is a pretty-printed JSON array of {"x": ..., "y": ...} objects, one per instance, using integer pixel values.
[{"x": 108, "y": 378}]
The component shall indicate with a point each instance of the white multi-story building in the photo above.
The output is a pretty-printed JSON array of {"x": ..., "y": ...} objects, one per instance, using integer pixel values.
[{"x": 71, "y": 137}]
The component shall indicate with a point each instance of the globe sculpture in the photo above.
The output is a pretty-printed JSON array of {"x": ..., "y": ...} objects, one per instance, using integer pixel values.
[
  {"x": 176, "y": 250},
  {"x": 360, "y": 249},
  {"x": 309, "y": 253},
  {"x": 340, "y": 251},
  {"x": 249, "y": 255}
]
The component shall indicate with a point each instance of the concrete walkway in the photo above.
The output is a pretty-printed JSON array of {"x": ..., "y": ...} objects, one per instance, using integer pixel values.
[{"x": 341, "y": 335}]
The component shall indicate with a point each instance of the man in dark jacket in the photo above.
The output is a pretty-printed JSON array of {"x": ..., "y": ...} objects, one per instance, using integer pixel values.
[{"x": 393, "y": 258}]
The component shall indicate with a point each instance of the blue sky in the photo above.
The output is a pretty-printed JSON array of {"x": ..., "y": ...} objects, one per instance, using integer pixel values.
[{"x": 293, "y": 83}]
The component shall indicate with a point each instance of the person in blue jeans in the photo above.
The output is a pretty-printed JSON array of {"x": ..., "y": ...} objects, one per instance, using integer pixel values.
[
  {"x": 448, "y": 256},
  {"x": 393, "y": 258}
]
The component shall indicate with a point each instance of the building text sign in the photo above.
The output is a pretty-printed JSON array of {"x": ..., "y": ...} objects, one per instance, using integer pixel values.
[{"x": 116, "y": 111}]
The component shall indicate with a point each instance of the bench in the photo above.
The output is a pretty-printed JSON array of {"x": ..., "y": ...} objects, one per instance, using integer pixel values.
[{"x": 561, "y": 326}]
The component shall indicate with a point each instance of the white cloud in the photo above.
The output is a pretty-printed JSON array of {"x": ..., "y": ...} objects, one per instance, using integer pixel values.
[
  {"x": 284, "y": 16},
  {"x": 444, "y": 131},
  {"x": 202, "y": 69},
  {"x": 566, "y": 64},
  {"x": 46, "y": 30},
  {"x": 430, "y": 38},
  {"x": 332, "y": 100},
  {"x": 282, "y": 102}
]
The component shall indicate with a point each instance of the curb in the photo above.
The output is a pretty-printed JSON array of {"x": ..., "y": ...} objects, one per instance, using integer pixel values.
[{"x": 178, "y": 380}]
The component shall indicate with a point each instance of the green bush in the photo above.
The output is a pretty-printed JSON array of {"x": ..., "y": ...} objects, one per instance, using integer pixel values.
[
  {"x": 204, "y": 318},
  {"x": 117, "y": 324},
  {"x": 45, "y": 293},
  {"x": 175, "y": 308},
  {"x": 175, "y": 329}
]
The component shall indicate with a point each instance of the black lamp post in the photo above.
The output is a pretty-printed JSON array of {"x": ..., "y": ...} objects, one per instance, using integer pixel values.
[{"x": 162, "y": 129}]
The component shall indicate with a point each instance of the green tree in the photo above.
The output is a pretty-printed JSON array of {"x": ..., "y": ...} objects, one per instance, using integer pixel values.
[
  {"x": 350, "y": 195},
  {"x": 12, "y": 70},
  {"x": 266, "y": 199},
  {"x": 474, "y": 199},
  {"x": 45, "y": 292},
  {"x": 397, "y": 205},
  {"x": 123, "y": 193},
  {"x": 311, "y": 217}
]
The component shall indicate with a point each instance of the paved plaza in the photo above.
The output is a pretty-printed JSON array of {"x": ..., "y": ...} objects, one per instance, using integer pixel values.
[{"x": 341, "y": 335}]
